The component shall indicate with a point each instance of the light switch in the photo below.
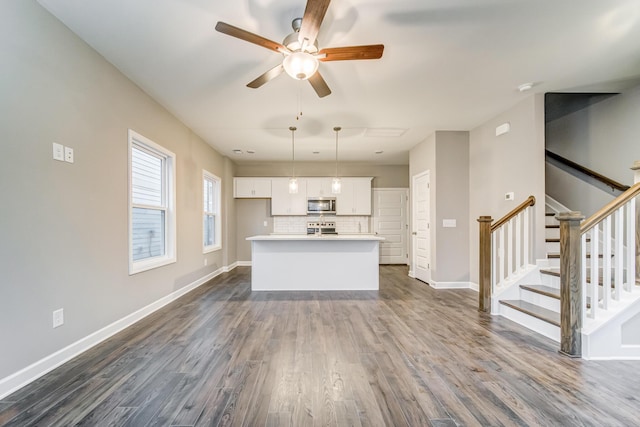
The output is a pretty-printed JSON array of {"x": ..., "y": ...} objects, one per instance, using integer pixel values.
[
  {"x": 58, "y": 152},
  {"x": 68, "y": 154}
]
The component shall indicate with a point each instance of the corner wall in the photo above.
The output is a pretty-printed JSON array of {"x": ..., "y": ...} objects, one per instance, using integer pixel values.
[
  {"x": 513, "y": 162},
  {"x": 64, "y": 226},
  {"x": 602, "y": 137}
]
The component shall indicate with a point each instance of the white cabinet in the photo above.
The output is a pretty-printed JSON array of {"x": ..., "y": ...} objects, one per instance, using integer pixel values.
[
  {"x": 319, "y": 187},
  {"x": 285, "y": 203},
  {"x": 354, "y": 197},
  {"x": 252, "y": 188}
]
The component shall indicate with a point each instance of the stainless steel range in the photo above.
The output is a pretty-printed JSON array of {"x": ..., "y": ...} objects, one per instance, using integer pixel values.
[{"x": 321, "y": 227}]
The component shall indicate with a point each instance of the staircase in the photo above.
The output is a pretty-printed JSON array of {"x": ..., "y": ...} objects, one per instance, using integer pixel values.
[{"x": 538, "y": 303}]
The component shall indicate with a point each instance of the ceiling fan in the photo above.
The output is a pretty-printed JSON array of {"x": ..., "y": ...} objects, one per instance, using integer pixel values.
[{"x": 300, "y": 49}]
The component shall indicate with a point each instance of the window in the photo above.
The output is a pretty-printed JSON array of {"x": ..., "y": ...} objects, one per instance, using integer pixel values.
[
  {"x": 152, "y": 218},
  {"x": 211, "y": 216}
]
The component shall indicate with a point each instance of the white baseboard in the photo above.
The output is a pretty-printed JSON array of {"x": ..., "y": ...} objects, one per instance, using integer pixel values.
[
  {"x": 244, "y": 263},
  {"x": 43, "y": 366},
  {"x": 452, "y": 285},
  {"x": 413, "y": 276}
]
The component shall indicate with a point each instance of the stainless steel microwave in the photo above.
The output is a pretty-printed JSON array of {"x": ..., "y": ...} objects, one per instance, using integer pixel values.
[{"x": 322, "y": 205}]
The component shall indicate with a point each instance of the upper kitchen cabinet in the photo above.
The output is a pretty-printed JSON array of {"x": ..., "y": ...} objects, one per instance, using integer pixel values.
[
  {"x": 285, "y": 203},
  {"x": 319, "y": 187},
  {"x": 257, "y": 188},
  {"x": 354, "y": 197}
]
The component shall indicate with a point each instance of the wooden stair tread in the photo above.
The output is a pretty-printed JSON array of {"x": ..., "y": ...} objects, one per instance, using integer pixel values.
[
  {"x": 557, "y": 255},
  {"x": 536, "y": 311},
  {"x": 542, "y": 290},
  {"x": 552, "y": 226},
  {"x": 557, "y": 240},
  {"x": 550, "y": 214}
]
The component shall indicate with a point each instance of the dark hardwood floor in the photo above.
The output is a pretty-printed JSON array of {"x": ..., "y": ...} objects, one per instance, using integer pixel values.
[{"x": 407, "y": 355}]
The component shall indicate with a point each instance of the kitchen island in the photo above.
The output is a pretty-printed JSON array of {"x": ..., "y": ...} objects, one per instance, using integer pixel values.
[{"x": 295, "y": 262}]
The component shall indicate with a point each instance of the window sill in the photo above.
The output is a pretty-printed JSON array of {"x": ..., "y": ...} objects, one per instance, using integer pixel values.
[
  {"x": 150, "y": 264},
  {"x": 210, "y": 249}
]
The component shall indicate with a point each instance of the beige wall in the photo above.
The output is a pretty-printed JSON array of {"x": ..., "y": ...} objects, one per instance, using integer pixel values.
[
  {"x": 513, "y": 162},
  {"x": 64, "y": 226},
  {"x": 445, "y": 154},
  {"x": 384, "y": 176}
]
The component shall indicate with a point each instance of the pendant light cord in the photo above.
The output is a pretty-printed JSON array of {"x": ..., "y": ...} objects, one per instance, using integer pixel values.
[
  {"x": 293, "y": 151},
  {"x": 337, "y": 129}
]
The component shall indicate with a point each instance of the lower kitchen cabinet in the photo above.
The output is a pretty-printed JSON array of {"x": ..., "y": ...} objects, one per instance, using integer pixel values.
[{"x": 285, "y": 203}]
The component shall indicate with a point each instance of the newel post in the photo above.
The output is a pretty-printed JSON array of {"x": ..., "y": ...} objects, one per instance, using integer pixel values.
[
  {"x": 484, "y": 302},
  {"x": 570, "y": 284}
]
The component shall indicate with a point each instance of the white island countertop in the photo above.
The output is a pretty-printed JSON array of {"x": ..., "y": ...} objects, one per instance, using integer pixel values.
[
  {"x": 315, "y": 237},
  {"x": 300, "y": 262}
]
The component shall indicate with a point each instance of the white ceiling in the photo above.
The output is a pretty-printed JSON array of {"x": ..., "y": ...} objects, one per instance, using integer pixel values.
[{"x": 447, "y": 65}]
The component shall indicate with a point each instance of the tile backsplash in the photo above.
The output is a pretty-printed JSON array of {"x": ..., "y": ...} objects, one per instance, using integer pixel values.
[{"x": 298, "y": 224}]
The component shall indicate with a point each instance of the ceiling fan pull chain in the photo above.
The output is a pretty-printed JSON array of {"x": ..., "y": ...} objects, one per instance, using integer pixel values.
[{"x": 299, "y": 109}]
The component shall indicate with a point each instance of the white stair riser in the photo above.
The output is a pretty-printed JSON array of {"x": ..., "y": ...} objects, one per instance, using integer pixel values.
[
  {"x": 551, "y": 233},
  {"x": 549, "y": 280},
  {"x": 552, "y": 247},
  {"x": 554, "y": 262},
  {"x": 540, "y": 300},
  {"x": 533, "y": 323}
]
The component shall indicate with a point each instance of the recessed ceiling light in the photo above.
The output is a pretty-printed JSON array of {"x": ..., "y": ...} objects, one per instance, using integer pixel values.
[
  {"x": 379, "y": 152},
  {"x": 251, "y": 152},
  {"x": 315, "y": 152},
  {"x": 384, "y": 132},
  {"x": 525, "y": 87},
  {"x": 237, "y": 151}
]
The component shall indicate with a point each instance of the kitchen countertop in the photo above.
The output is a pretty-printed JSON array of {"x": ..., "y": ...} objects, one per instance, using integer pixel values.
[{"x": 307, "y": 237}]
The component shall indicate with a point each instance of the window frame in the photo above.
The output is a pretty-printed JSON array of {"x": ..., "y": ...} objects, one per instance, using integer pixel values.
[
  {"x": 216, "y": 213},
  {"x": 168, "y": 207}
]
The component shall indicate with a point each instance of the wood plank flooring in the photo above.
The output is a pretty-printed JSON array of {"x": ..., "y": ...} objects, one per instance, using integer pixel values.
[{"x": 406, "y": 355}]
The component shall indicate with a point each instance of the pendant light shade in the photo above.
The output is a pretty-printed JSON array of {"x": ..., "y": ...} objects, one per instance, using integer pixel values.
[
  {"x": 293, "y": 182},
  {"x": 336, "y": 185}
]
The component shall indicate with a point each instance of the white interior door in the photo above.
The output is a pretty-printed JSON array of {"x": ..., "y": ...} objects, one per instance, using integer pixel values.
[
  {"x": 421, "y": 232},
  {"x": 390, "y": 222}
]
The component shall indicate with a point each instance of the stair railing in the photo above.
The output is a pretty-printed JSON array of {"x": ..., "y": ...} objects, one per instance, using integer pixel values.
[
  {"x": 597, "y": 265},
  {"x": 505, "y": 250}
]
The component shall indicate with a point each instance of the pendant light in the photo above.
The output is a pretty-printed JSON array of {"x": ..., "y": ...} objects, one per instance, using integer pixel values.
[
  {"x": 336, "y": 185},
  {"x": 293, "y": 182}
]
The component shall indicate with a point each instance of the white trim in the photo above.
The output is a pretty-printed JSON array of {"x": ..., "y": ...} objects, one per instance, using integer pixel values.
[
  {"x": 19, "y": 379},
  {"x": 170, "y": 234},
  {"x": 554, "y": 205},
  {"x": 217, "y": 214},
  {"x": 453, "y": 285},
  {"x": 244, "y": 263}
]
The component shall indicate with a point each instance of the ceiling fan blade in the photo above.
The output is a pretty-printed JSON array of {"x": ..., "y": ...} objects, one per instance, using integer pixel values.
[
  {"x": 241, "y": 34},
  {"x": 372, "y": 51},
  {"x": 269, "y": 75},
  {"x": 312, "y": 19},
  {"x": 319, "y": 85}
]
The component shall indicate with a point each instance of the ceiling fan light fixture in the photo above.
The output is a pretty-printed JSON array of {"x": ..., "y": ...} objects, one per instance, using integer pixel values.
[{"x": 300, "y": 65}]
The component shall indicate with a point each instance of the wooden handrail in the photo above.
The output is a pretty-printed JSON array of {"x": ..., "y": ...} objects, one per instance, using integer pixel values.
[
  {"x": 593, "y": 174},
  {"x": 531, "y": 200},
  {"x": 609, "y": 208}
]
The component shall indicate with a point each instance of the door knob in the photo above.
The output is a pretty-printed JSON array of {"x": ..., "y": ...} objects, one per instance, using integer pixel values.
[{"x": 415, "y": 233}]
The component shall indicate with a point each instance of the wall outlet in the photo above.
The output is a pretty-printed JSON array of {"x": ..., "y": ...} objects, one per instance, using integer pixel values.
[
  {"x": 206, "y": 261},
  {"x": 266, "y": 224},
  {"x": 509, "y": 196},
  {"x": 58, "y": 318},
  {"x": 58, "y": 152},
  {"x": 68, "y": 154}
]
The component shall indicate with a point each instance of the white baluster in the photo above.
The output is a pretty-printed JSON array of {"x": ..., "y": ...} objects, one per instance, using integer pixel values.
[
  {"x": 501, "y": 267},
  {"x": 631, "y": 245},
  {"x": 494, "y": 260},
  {"x": 519, "y": 233},
  {"x": 618, "y": 256},
  {"x": 585, "y": 289},
  {"x": 526, "y": 234},
  {"x": 510, "y": 248},
  {"x": 594, "y": 270},
  {"x": 606, "y": 262}
]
